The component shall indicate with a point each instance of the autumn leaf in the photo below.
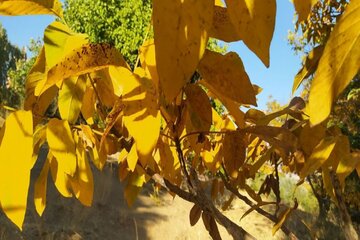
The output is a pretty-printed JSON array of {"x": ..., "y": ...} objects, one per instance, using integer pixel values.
[
  {"x": 71, "y": 97},
  {"x": 88, "y": 58},
  {"x": 83, "y": 181},
  {"x": 60, "y": 178},
  {"x": 254, "y": 21},
  {"x": 225, "y": 74},
  {"x": 338, "y": 65},
  {"x": 148, "y": 60},
  {"x": 62, "y": 145},
  {"x": 303, "y": 8},
  {"x": 29, "y": 7},
  {"x": 88, "y": 105},
  {"x": 195, "y": 214},
  {"x": 199, "y": 108},
  {"x": 141, "y": 112},
  {"x": 180, "y": 35},
  {"x": 40, "y": 188},
  {"x": 15, "y": 165},
  {"x": 282, "y": 218},
  {"x": 222, "y": 28},
  {"x": 233, "y": 152},
  {"x": 309, "y": 67}
]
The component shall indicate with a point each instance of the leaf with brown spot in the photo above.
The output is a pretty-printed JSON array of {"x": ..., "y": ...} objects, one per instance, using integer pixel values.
[{"x": 31, "y": 7}]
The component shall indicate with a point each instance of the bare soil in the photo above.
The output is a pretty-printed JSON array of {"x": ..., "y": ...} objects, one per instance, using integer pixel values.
[{"x": 161, "y": 217}]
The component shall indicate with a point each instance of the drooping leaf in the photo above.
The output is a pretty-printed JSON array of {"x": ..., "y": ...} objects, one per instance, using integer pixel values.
[
  {"x": 199, "y": 108},
  {"x": 83, "y": 182},
  {"x": 311, "y": 136},
  {"x": 71, "y": 97},
  {"x": 338, "y": 65},
  {"x": 131, "y": 192},
  {"x": 141, "y": 112},
  {"x": 148, "y": 60},
  {"x": 222, "y": 28},
  {"x": 309, "y": 67},
  {"x": 15, "y": 164},
  {"x": 88, "y": 58},
  {"x": 104, "y": 87},
  {"x": 37, "y": 76},
  {"x": 234, "y": 152},
  {"x": 132, "y": 158},
  {"x": 319, "y": 156},
  {"x": 194, "y": 215},
  {"x": 303, "y": 8},
  {"x": 60, "y": 178},
  {"x": 62, "y": 145},
  {"x": 282, "y": 218},
  {"x": 30, "y": 7},
  {"x": 88, "y": 105},
  {"x": 180, "y": 35},
  {"x": 40, "y": 188},
  {"x": 225, "y": 75},
  {"x": 254, "y": 21}
]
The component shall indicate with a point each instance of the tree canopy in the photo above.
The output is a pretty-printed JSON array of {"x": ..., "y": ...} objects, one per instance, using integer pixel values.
[{"x": 161, "y": 121}]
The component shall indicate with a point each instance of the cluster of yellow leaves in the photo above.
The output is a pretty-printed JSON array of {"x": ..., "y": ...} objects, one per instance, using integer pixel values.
[{"x": 164, "y": 107}]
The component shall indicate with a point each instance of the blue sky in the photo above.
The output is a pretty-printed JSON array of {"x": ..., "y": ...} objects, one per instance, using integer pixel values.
[{"x": 275, "y": 80}]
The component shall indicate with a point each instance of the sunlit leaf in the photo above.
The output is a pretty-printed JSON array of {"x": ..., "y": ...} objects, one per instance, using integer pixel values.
[
  {"x": 60, "y": 178},
  {"x": 309, "y": 67},
  {"x": 15, "y": 164},
  {"x": 141, "y": 112},
  {"x": 83, "y": 182},
  {"x": 282, "y": 218},
  {"x": 29, "y": 7},
  {"x": 226, "y": 75},
  {"x": 338, "y": 65},
  {"x": 234, "y": 153},
  {"x": 88, "y": 105},
  {"x": 40, "y": 188},
  {"x": 148, "y": 60},
  {"x": 222, "y": 28},
  {"x": 254, "y": 21},
  {"x": 311, "y": 136},
  {"x": 180, "y": 35},
  {"x": 318, "y": 157},
  {"x": 62, "y": 145},
  {"x": 88, "y": 58},
  {"x": 71, "y": 97},
  {"x": 303, "y": 8},
  {"x": 132, "y": 158}
]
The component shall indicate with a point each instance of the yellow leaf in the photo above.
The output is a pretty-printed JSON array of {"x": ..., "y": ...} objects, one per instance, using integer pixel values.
[
  {"x": 60, "y": 178},
  {"x": 98, "y": 154},
  {"x": 15, "y": 164},
  {"x": 88, "y": 58},
  {"x": 88, "y": 105},
  {"x": 282, "y": 218},
  {"x": 148, "y": 60},
  {"x": 116, "y": 81},
  {"x": 59, "y": 41},
  {"x": 319, "y": 156},
  {"x": 29, "y": 7},
  {"x": 328, "y": 184},
  {"x": 303, "y": 8},
  {"x": 141, "y": 113},
  {"x": 40, "y": 188},
  {"x": 254, "y": 21},
  {"x": 180, "y": 35},
  {"x": 338, "y": 65},
  {"x": 131, "y": 192},
  {"x": 36, "y": 77},
  {"x": 105, "y": 87},
  {"x": 226, "y": 76},
  {"x": 62, "y": 145},
  {"x": 132, "y": 158},
  {"x": 200, "y": 112},
  {"x": 309, "y": 66},
  {"x": 83, "y": 181},
  {"x": 222, "y": 28},
  {"x": 70, "y": 98},
  {"x": 311, "y": 136},
  {"x": 234, "y": 153}
]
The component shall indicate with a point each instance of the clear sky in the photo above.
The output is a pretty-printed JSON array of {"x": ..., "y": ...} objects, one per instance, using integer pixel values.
[{"x": 276, "y": 80}]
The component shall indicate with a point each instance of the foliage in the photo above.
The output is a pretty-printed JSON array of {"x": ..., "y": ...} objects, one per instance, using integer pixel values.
[{"x": 161, "y": 120}]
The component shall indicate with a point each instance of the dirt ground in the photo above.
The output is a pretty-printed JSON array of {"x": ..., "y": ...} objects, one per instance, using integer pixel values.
[{"x": 109, "y": 218}]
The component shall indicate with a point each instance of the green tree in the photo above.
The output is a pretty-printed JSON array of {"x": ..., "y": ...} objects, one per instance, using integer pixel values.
[{"x": 122, "y": 23}]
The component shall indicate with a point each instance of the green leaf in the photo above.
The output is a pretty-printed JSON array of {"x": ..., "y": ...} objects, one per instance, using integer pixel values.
[
  {"x": 29, "y": 7},
  {"x": 338, "y": 65}
]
